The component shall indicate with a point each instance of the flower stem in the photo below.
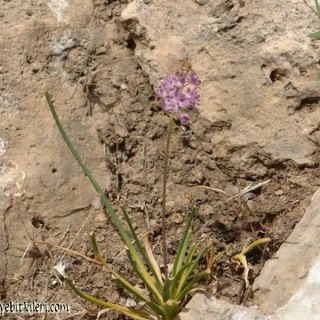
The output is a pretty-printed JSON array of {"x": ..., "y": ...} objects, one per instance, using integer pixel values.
[{"x": 164, "y": 198}]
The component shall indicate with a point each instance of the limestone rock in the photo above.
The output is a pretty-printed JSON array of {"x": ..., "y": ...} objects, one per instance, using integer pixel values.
[
  {"x": 286, "y": 278},
  {"x": 258, "y": 66},
  {"x": 202, "y": 308}
]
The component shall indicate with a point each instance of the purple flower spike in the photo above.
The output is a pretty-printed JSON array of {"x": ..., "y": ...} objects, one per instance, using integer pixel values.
[{"x": 179, "y": 91}]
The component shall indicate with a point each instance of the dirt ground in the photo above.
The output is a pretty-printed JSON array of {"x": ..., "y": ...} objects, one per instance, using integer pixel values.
[{"x": 113, "y": 99}]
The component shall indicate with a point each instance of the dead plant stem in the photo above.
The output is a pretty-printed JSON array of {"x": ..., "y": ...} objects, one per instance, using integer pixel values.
[{"x": 70, "y": 251}]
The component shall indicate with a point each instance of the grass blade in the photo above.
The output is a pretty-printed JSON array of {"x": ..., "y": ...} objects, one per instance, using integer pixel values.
[
  {"x": 115, "y": 219},
  {"x": 134, "y": 314},
  {"x": 189, "y": 271},
  {"x": 116, "y": 275},
  {"x": 145, "y": 251},
  {"x": 191, "y": 253},
  {"x": 187, "y": 264},
  {"x": 314, "y": 35},
  {"x": 180, "y": 256},
  {"x": 197, "y": 278},
  {"x": 151, "y": 260},
  {"x": 158, "y": 298},
  {"x": 174, "y": 281},
  {"x": 254, "y": 244}
]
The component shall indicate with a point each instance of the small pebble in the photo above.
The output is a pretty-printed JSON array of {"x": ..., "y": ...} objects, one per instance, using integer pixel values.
[
  {"x": 101, "y": 50},
  {"x": 96, "y": 203},
  {"x": 279, "y": 192},
  {"x": 248, "y": 196},
  {"x": 232, "y": 190},
  {"x": 211, "y": 165}
]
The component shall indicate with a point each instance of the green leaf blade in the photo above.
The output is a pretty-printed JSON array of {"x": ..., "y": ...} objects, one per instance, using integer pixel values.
[
  {"x": 134, "y": 314},
  {"x": 182, "y": 249},
  {"x": 314, "y": 35}
]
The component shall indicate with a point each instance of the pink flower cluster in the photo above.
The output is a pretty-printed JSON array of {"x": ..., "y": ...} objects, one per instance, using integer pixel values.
[{"x": 179, "y": 92}]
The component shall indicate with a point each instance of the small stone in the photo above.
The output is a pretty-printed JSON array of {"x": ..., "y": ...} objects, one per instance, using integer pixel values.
[
  {"x": 232, "y": 190},
  {"x": 196, "y": 177},
  {"x": 248, "y": 196},
  {"x": 101, "y": 50},
  {"x": 279, "y": 192},
  {"x": 211, "y": 165},
  {"x": 123, "y": 86},
  {"x": 96, "y": 203}
]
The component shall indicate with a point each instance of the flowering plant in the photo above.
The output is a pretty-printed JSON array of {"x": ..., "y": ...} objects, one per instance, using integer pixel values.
[{"x": 165, "y": 292}]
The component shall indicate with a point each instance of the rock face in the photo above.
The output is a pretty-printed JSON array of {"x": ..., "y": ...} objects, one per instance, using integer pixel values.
[
  {"x": 259, "y": 90},
  {"x": 38, "y": 177},
  {"x": 257, "y": 64},
  {"x": 202, "y": 308},
  {"x": 293, "y": 276},
  {"x": 258, "y": 69}
]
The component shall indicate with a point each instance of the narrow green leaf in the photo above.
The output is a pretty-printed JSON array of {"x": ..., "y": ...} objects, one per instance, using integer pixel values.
[
  {"x": 167, "y": 289},
  {"x": 191, "y": 253},
  {"x": 87, "y": 172},
  {"x": 136, "y": 292},
  {"x": 180, "y": 256},
  {"x": 190, "y": 285},
  {"x": 154, "y": 266},
  {"x": 254, "y": 244},
  {"x": 149, "y": 284},
  {"x": 123, "y": 282},
  {"x": 175, "y": 281},
  {"x": 187, "y": 264},
  {"x": 147, "y": 256},
  {"x": 134, "y": 314},
  {"x": 134, "y": 235},
  {"x": 314, "y": 35},
  {"x": 115, "y": 219},
  {"x": 189, "y": 271}
]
